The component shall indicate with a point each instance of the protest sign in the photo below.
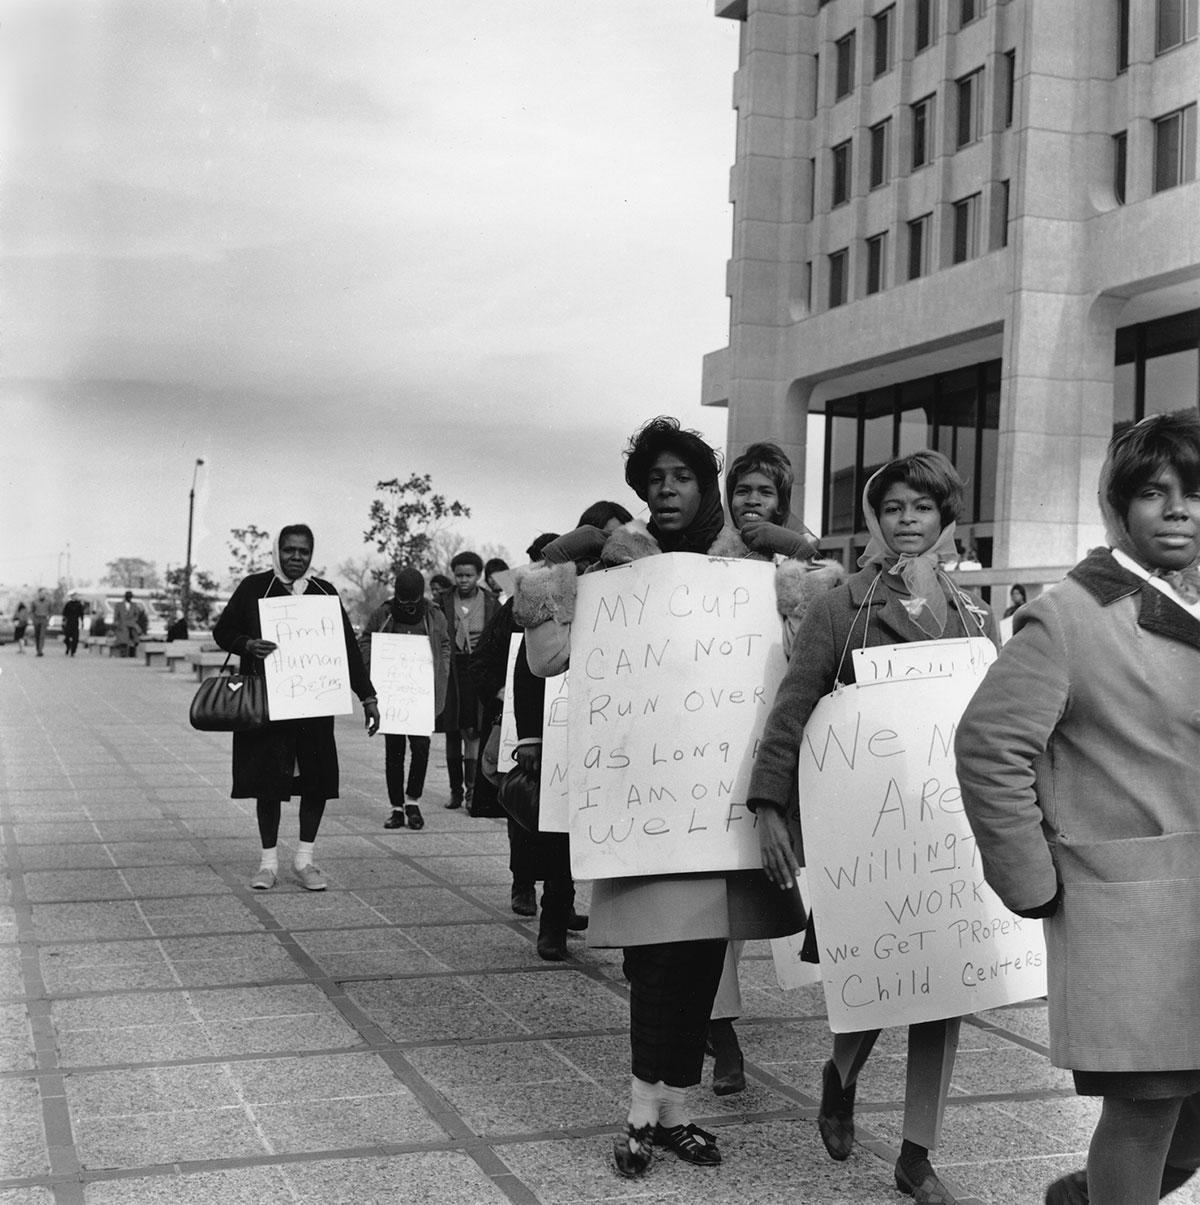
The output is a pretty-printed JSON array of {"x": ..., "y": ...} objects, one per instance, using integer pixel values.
[
  {"x": 675, "y": 660},
  {"x": 791, "y": 971},
  {"x": 508, "y": 720},
  {"x": 402, "y": 674},
  {"x": 554, "y": 812},
  {"x": 907, "y": 928},
  {"x": 307, "y": 674}
]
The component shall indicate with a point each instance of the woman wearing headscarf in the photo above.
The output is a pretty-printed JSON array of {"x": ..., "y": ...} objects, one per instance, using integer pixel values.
[
  {"x": 287, "y": 757},
  {"x": 899, "y": 595},
  {"x": 409, "y": 613},
  {"x": 672, "y": 929},
  {"x": 1077, "y": 760}
]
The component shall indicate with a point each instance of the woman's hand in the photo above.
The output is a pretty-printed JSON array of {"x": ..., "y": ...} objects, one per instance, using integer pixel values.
[
  {"x": 260, "y": 648},
  {"x": 761, "y": 536},
  {"x": 582, "y": 544},
  {"x": 778, "y": 858},
  {"x": 529, "y": 758},
  {"x": 371, "y": 711}
]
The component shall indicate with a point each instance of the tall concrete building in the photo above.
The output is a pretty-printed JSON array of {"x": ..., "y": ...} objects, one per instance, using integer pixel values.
[{"x": 966, "y": 224}]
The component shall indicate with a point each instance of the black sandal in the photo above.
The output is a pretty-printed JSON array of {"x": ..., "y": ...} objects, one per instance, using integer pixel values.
[
  {"x": 633, "y": 1151},
  {"x": 690, "y": 1143}
]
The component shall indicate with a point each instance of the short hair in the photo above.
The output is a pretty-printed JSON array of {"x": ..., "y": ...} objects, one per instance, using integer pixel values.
[
  {"x": 466, "y": 558},
  {"x": 770, "y": 460},
  {"x": 495, "y": 565},
  {"x": 600, "y": 514},
  {"x": 535, "y": 550},
  {"x": 927, "y": 472},
  {"x": 441, "y": 581},
  {"x": 296, "y": 529},
  {"x": 661, "y": 435},
  {"x": 1139, "y": 451}
]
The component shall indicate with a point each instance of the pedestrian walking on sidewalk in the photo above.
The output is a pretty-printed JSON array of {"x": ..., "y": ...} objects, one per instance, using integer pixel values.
[
  {"x": 72, "y": 619},
  {"x": 1077, "y": 762},
  {"x": 409, "y": 613},
  {"x": 20, "y": 625},
  {"x": 39, "y": 613},
  {"x": 287, "y": 757}
]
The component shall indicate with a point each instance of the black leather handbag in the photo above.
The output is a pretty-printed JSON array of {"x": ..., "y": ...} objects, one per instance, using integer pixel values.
[
  {"x": 519, "y": 793},
  {"x": 230, "y": 703}
]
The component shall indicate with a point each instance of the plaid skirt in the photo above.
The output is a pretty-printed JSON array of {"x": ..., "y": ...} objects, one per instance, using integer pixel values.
[{"x": 671, "y": 991}]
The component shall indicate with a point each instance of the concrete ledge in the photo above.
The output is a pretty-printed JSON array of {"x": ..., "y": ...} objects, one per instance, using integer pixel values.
[{"x": 210, "y": 664}]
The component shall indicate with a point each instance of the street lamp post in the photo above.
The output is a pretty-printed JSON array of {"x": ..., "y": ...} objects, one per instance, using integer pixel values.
[{"x": 187, "y": 569}]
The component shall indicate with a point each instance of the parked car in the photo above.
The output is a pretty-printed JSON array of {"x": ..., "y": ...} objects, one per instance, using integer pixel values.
[{"x": 7, "y": 629}]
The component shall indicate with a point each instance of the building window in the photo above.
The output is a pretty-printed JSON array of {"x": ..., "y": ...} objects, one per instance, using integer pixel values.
[
  {"x": 922, "y": 132},
  {"x": 884, "y": 24},
  {"x": 876, "y": 259},
  {"x": 844, "y": 83},
  {"x": 1005, "y": 201},
  {"x": 838, "y": 263},
  {"x": 926, "y": 32},
  {"x": 1175, "y": 148},
  {"x": 1157, "y": 367},
  {"x": 969, "y": 10},
  {"x": 1120, "y": 150},
  {"x": 841, "y": 174},
  {"x": 1176, "y": 23},
  {"x": 918, "y": 247},
  {"x": 970, "y": 108},
  {"x": 816, "y": 85},
  {"x": 1010, "y": 87},
  {"x": 808, "y": 284},
  {"x": 812, "y": 188},
  {"x": 966, "y": 228},
  {"x": 881, "y": 153},
  {"x": 1122, "y": 36}
]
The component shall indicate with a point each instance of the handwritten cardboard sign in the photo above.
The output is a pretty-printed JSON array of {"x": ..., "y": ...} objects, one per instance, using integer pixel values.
[
  {"x": 675, "y": 660},
  {"x": 907, "y": 928},
  {"x": 402, "y": 674},
  {"x": 307, "y": 674},
  {"x": 922, "y": 659},
  {"x": 508, "y": 718},
  {"x": 554, "y": 810}
]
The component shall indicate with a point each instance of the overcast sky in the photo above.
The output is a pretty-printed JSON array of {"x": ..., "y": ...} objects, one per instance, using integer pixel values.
[{"x": 321, "y": 244}]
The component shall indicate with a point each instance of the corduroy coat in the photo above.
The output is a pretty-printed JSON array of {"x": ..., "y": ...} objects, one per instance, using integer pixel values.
[
  {"x": 266, "y": 761},
  {"x": 646, "y": 910},
  {"x": 1078, "y": 759}
]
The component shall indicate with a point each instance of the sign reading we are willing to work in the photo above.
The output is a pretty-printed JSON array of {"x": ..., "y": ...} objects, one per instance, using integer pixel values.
[
  {"x": 907, "y": 928},
  {"x": 675, "y": 660}
]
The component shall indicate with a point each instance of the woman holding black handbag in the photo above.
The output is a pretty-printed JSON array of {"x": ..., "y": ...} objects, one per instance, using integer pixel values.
[{"x": 287, "y": 757}]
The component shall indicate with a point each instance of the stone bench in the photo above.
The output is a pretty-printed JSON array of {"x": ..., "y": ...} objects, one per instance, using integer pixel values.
[
  {"x": 99, "y": 644},
  {"x": 155, "y": 654},
  {"x": 209, "y": 664}
]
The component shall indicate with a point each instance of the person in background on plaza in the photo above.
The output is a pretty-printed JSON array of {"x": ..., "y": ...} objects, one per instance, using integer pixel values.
[
  {"x": 1077, "y": 763},
  {"x": 287, "y": 757},
  {"x": 468, "y": 609},
  {"x": 126, "y": 626},
  {"x": 899, "y": 595},
  {"x": 490, "y": 569},
  {"x": 39, "y": 615},
  {"x": 177, "y": 627},
  {"x": 1016, "y": 598},
  {"x": 439, "y": 586},
  {"x": 72, "y": 618},
  {"x": 673, "y": 929},
  {"x": 758, "y": 494},
  {"x": 20, "y": 625},
  {"x": 408, "y": 613}
]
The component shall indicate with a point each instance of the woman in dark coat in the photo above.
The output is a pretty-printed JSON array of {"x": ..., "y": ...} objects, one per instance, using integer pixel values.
[{"x": 287, "y": 757}]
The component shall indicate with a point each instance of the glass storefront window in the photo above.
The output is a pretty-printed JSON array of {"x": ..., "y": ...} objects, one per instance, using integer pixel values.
[
  {"x": 916, "y": 416},
  {"x": 841, "y": 434},
  {"x": 1124, "y": 393},
  {"x": 1172, "y": 382}
]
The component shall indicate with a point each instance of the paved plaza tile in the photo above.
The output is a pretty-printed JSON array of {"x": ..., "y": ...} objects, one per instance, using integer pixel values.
[{"x": 169, "y": 1035}]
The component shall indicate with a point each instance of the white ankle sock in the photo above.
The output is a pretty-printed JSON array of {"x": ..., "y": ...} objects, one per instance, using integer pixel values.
[
  {"x": 643, "y": 1103},
  {"x": 304, "y": 854},
  {"x": 673, "y": 1111},
  {"x": 270, "y": 859}
]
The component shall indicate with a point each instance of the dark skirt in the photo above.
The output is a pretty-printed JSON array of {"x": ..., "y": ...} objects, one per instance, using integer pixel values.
[
  {"x": 1137, "y": 1085},
  {"x": 672, "y": 987}
]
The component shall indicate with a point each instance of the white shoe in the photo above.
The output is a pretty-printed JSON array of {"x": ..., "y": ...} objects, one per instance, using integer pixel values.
[
  {"x": 310, "y": 878},
  {"x": 264, "y": 879}
]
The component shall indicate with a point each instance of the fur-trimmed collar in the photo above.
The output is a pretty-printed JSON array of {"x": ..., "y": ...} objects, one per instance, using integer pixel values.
[{"x": 1108, "y": 582}]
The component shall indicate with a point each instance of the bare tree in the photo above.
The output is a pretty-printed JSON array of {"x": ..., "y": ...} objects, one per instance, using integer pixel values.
[
  {"x": 369, "y": 586},
  {"x": 250, "y": 549},
  {"x": 132, "y": 572}
]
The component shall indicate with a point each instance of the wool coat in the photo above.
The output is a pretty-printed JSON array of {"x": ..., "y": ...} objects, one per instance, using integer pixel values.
[
  {"x": 460, "y": 690},
  {"x": 646, "y": 910},
  {"x": 1077, "y": 759},
  {"x": 266, "y": 760}
]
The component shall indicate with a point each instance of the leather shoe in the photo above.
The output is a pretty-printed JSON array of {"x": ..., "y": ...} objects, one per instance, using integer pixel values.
[
  {"x": 415, "y": 820},
  {"x": 835, "y": 1116},
  {"x": 577, "y": 923},
  {"x": 1070, "y": 1189},
  {"x": 922, "y": 1184},
  {"x": 552, "y": 947},
  {"x": 524, "y": 901},
  {"x": 395, "y": 820}
]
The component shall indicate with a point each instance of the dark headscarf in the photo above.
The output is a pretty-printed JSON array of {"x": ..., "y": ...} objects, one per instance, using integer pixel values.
[
  {"x": 409, "y": 598},
  {"x": 661, "y": 435}
]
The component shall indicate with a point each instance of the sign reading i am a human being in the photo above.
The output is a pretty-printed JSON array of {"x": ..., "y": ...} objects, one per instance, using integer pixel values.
[
  {"x": 307, "y": 674},
  {"x": 907, "y": 928},
  {"x": 675, "y": 660},
  {"x": 402, "y": 674}
]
